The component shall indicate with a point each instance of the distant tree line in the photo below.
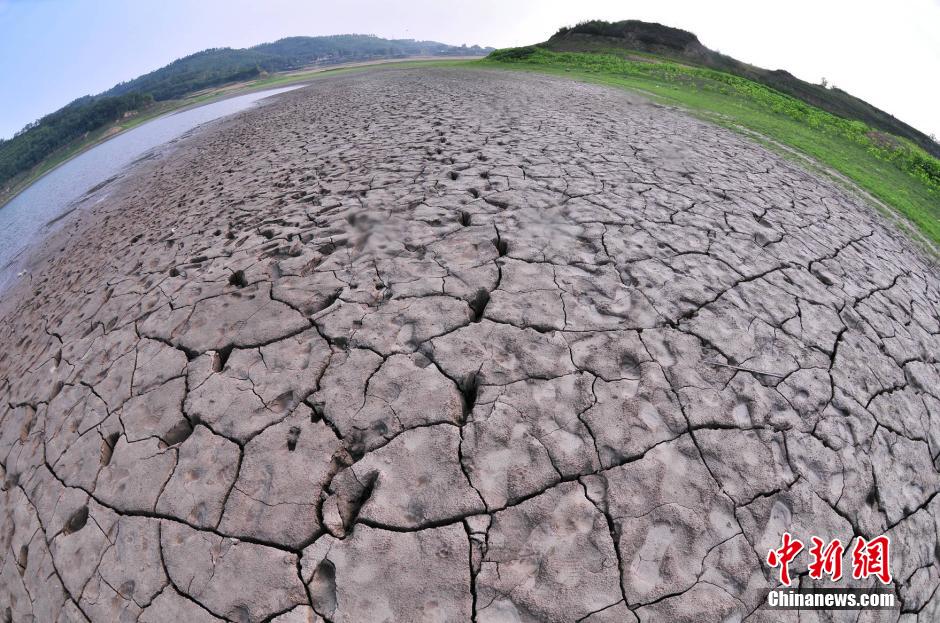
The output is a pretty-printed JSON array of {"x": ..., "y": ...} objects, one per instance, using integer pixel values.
[
  {"x": 216, "y": 66},
  {"x": 646, "y": 32},
  {"x": 685, "y": 47},
  {"x": 202, "y": 70}
]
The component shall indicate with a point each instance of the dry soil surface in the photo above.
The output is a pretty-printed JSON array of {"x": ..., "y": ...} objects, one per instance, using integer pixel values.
[{"x": 452, "y": 345}]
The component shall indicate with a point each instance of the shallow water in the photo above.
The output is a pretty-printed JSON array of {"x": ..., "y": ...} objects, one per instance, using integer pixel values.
[{"x": 32, "y": 213}]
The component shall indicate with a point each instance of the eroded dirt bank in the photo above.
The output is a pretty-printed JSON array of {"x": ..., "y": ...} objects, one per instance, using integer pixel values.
[{"x": 450, "y": 345}]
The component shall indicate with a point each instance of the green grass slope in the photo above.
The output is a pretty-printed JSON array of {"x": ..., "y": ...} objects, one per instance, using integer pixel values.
[
  {"x": 682, "y": 46},
  {"x": 892, "y": 169}
]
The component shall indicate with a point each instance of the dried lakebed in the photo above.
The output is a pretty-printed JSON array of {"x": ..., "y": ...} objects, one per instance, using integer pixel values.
[{"x": 453, "y": 345}]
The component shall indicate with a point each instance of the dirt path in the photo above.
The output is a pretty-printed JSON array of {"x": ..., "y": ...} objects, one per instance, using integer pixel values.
[{"x": 453, "y": 345}]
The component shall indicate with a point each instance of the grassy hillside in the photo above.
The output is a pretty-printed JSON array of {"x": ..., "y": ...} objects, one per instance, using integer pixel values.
[
  {"x": 892, "y": 169},
  {"x": 623, "y": 38}
]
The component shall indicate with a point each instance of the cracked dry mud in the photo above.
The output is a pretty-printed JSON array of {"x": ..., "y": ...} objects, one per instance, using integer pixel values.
[{"x": 453, "y": 345}]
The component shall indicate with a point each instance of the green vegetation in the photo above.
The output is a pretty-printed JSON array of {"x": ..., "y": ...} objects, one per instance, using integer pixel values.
[
  {"x": 881, "y": 155},
  {"x": 37, "y": 140},
  {"x": 71, "y": 149},
  {"x": 59, "y": 135},
  {"x": 628, "y": 37},
  {"x": 217, "y": 66},
  {"x": 892, "y": 169}
]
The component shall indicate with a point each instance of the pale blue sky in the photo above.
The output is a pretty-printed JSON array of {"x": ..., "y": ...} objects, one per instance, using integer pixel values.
[{"x": 52, "y": 51}]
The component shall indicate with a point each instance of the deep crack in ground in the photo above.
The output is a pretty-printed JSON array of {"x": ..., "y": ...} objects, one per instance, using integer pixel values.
[{"x": 453, "y": 345}]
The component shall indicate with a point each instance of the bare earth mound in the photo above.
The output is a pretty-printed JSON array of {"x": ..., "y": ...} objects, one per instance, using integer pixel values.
[{"x": 451, "y": 345}]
